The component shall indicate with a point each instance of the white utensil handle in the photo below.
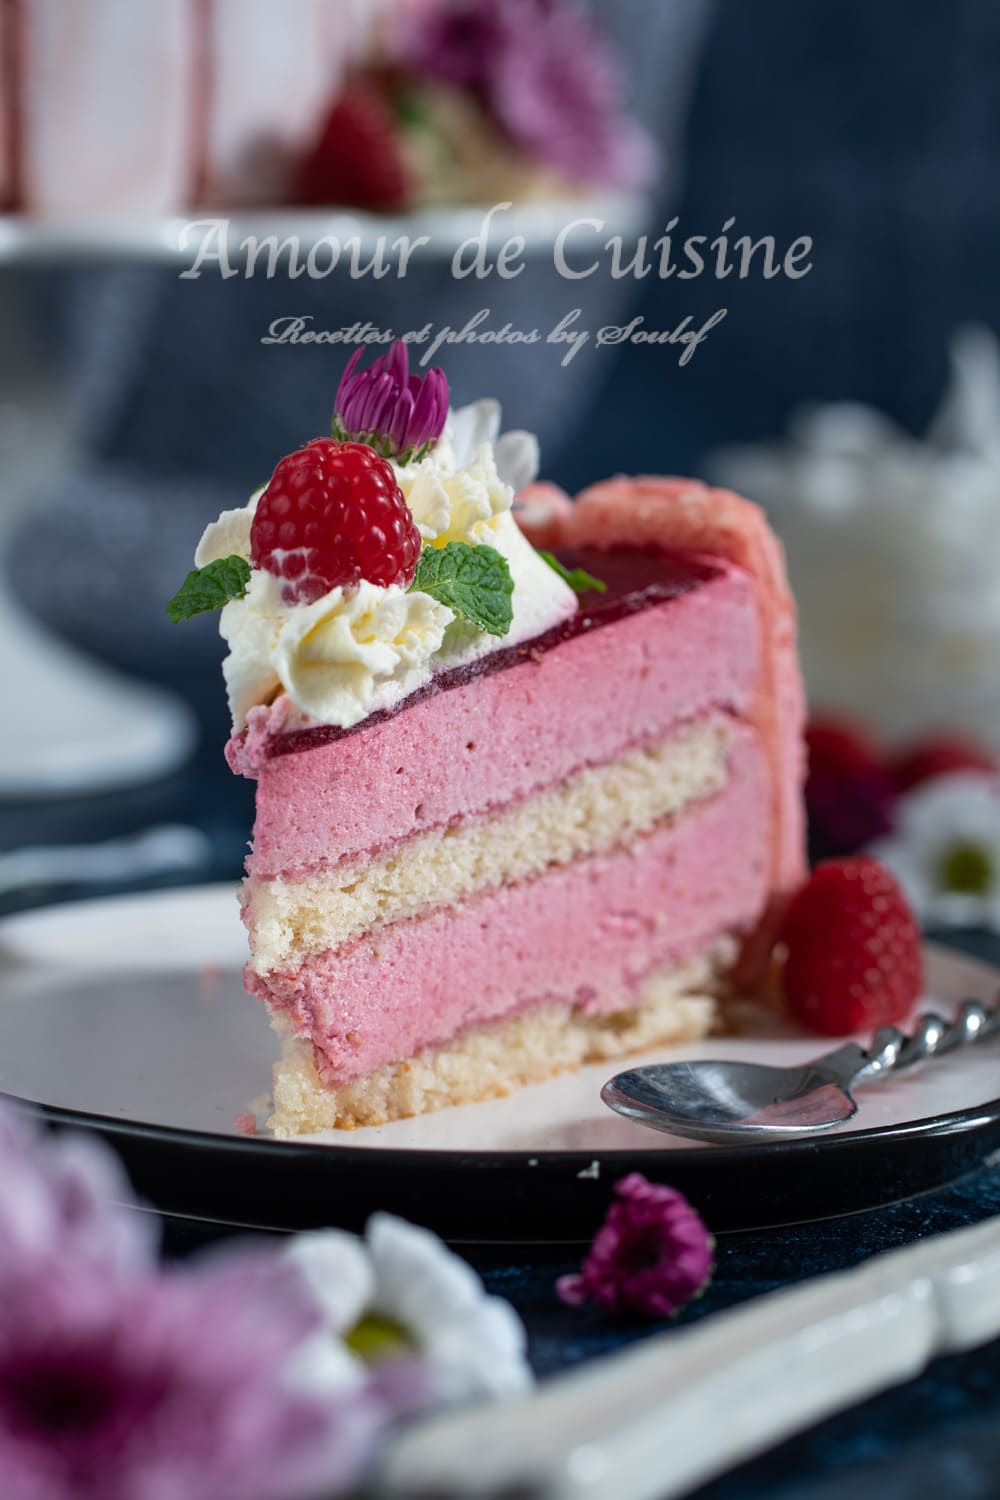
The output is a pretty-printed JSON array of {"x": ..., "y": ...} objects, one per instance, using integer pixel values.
[{"x": 687, "y": 1405}]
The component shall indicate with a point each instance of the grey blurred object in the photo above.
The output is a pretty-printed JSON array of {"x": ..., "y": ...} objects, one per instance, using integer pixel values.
[
  {"x": 70, "y": 725},
  {"x": 168, "y": 848},
  {"x": 182, "y": 411}
]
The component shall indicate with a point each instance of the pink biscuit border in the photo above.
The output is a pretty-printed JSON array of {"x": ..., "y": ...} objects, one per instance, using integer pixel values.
[{"x": 684, "y": 515}]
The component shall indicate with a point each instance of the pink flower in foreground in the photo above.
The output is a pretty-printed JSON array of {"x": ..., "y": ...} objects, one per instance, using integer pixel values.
[
  {"x": 122, "y": 1382},
  {"x": 651, "y": 1255}
]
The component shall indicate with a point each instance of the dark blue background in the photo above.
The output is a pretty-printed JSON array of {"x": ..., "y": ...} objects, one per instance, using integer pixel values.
[{"x": 874, "y": 127}]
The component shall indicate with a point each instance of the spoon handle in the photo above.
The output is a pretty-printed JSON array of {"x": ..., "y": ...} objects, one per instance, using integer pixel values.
[{"x": 891, "y": 1049}]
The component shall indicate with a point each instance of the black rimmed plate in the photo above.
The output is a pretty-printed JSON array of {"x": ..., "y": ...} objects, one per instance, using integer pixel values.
[{"x": 128, "y": 1017}]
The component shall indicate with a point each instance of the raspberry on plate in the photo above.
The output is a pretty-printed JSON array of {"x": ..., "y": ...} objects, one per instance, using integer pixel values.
[
  {"x": 333, "y": 514},
  {"x": 940, "y": 755},
  {"x": 853, "y": 959},
  {"x": 849, "y": 791}
]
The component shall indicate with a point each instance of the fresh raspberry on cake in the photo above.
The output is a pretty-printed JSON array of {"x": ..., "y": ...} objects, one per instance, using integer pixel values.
[
  {"x": 333, "y": 515},
  {"x": 853, "y": 958}
]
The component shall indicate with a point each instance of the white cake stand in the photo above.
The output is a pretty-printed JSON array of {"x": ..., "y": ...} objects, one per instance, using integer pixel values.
[{"x": 174, "y": 240}]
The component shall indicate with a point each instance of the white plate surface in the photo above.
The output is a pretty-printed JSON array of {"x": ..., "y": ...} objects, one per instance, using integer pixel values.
[{"x": 134, "y": 1008}]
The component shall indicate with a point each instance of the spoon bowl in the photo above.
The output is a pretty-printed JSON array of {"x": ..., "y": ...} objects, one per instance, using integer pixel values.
[
  {"x": 715, "y": 1101},
  {"x": 721, "y": 1101}
]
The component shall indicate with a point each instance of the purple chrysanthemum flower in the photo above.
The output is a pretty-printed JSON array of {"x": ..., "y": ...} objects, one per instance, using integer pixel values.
[
  {"x": 546, "y": 74},
  {"x": 172, "y": 1387},
  {"x": 122, "y": 1382},
  {"x": 651, "y": 1255},
  {"x": 455, "y": 41},
  {"x": 398, "y": 414}
]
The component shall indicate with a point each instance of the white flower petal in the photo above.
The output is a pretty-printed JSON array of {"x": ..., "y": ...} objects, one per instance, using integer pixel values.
[
  {"x": 470, "y": 426},
  {"x": 419, "y": 1283},
  {"x": 932, "y": 820},
  {"x": 949, "y": 808},
  {"x": 480, "y": 1355},
  {"x": 473, "y": 1344},
  {"x": 339, "y": 1273},
  {"x": 323, "y": 1366},
  {"x": 518, "y": 458}
]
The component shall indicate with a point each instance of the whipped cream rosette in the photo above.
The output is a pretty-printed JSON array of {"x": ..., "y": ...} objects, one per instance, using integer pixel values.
[{"x": 375, "y": 557}]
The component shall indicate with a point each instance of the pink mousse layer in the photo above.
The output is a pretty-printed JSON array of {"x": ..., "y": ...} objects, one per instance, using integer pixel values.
[
  {"x": 586, "y": 933},
  {"x": 502, "y": 737}
]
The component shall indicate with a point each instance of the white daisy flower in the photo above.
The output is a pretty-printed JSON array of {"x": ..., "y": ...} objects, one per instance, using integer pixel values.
[
  {"x": 516, "y": 452},
  {"x": 945, "y": 851},
  {"x": 401, "y": 1292}
]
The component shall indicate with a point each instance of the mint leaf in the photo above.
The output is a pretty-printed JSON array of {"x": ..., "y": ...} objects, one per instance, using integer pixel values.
[
  {"x": 209, "y": 588},
  {"x": 578, "y": 579},
  {"x": 475, "y": 582}
]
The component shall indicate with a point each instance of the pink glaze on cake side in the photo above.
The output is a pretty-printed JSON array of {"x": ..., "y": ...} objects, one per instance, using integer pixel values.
[
  {"x": 681, "y": 515},
  {"x": 586, "y": 933},
  {"x": 503, "y": 737}
]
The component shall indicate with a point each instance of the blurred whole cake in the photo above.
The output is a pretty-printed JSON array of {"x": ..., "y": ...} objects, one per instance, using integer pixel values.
[
  {"x": 108, "y": 107},
  {"x": 516, "y": 809}
]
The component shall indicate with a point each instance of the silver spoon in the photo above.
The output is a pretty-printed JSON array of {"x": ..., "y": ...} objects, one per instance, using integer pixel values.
[{"x": 742, "y": 1101}]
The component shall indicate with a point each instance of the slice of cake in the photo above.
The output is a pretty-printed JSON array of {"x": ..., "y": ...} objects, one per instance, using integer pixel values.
[{"x": 502, "y": 829}]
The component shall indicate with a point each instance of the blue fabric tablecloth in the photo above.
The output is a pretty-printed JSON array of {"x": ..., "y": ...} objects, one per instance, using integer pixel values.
[{"x": 938, "y": 1436}]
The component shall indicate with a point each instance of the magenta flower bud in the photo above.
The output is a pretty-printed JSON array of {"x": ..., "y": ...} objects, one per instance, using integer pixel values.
[
  {"x": 651, "y": 1255},
  {"x": 398, "y": 414}
]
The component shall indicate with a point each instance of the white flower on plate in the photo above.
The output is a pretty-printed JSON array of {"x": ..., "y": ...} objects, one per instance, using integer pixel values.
[
  {"x": 401, "y": 1292},
  {"x": 945, "y": 851}
]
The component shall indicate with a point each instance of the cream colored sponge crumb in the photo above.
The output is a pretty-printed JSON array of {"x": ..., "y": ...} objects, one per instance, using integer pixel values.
[{"x": 677, "y": 1004}]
